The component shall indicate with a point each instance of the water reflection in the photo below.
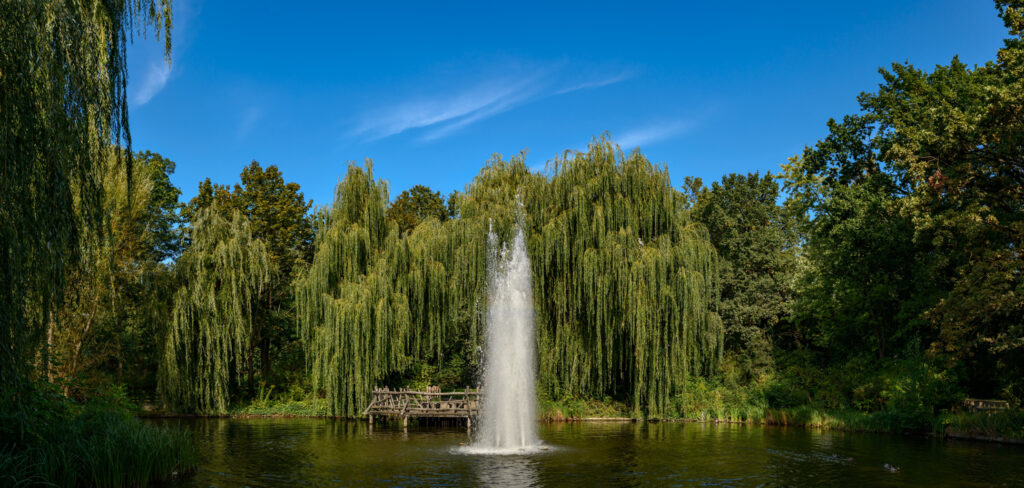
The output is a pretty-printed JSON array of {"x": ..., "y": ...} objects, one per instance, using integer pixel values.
[
  {"x": 321, "y": 452},
  {"x": 503, "y": 470}
]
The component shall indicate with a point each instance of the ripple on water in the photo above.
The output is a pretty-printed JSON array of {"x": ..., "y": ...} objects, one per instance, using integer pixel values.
[{"x": 476, "y": 450}]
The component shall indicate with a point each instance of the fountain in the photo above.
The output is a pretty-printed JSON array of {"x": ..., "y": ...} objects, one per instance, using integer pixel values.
[{"x": 508, "y": 417}]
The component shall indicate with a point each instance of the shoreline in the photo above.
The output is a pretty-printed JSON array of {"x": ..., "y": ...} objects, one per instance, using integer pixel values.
[{"x": 960, "y": 436}]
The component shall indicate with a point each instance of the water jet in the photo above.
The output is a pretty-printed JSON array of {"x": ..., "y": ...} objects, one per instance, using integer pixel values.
[{"x": 508, "y": 415}]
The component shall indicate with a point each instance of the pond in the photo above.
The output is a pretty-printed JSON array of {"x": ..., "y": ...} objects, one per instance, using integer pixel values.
[{"x": 324, "y": 452}]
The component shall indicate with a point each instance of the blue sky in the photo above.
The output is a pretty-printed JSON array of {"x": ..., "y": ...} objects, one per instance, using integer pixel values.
[{"x": 431, "y": 92}]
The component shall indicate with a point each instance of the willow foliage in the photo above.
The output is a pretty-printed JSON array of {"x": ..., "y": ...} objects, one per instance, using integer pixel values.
[
  {"x": 624, "y": 280},
  {"x": 223, "y": 271},
  {"x": 374, "y": 300},
  {"x": 62, "y": 106}
]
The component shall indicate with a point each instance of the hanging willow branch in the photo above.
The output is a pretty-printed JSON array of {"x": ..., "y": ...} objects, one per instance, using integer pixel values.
[
  {"x": 63, "y": 106},
  {"x": 624, "y": 281},
  {"x": 223, "y": 272},
  {"x": 374, "y": 301}
]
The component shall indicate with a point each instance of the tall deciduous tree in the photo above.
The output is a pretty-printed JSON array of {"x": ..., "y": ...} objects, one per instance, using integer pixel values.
[
  {"x": 958, "y": 134},
  {"x": 223, "y": 272},
  {"x": 756, "y": 241},
  {"x": 416, "y": 205},
  {"x": 62, "y": 108},
  {"x": 278, "y": 216},
  {"x": 918, "y": 218},
  {"x": 163, "y": 210},
  {"x": 117, "y": 298}
]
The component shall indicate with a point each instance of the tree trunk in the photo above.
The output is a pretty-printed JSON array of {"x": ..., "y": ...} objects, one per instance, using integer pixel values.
[
  {"x": 49, "y": 348},
  {"x": 265, "y": 358},
  {"x": 248, "y": 361}
]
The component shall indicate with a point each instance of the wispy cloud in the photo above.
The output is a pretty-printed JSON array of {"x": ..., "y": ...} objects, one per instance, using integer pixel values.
[
  {"x": 504, "y": 104},
  {"x": 650, "y": 134},
  {"x": 458, "y": 110},
  {"x": 446, "y": 115},
  {"x": 154, "y": 81},
  {"x": 250, "y": 117},
  {"x": 597, "y": 83}
]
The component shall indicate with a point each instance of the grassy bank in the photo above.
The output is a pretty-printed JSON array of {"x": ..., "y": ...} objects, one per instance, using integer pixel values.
[
  {"x": 1004, "y": 426},
  {"x": 722, "y": 400},
  {"x": 311, "y": 407},
  {"x": 47, "y": 440},
  {"x": 748, "y": 414}
]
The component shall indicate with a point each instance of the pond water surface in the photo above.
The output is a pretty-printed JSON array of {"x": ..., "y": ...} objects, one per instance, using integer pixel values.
[{"x": 323, "y": 452}]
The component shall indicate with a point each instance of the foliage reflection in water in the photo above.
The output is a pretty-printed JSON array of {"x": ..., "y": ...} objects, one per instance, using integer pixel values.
[{"x": 321, "y": 452}]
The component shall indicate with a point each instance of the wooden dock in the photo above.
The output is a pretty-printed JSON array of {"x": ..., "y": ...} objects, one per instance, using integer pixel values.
[
  {"x": 980, "y": 405},
  {"x": 432, "y": 403}
]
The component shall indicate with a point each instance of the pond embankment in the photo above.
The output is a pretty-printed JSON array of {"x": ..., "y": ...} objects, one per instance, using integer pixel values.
[{"x": 1003, "y": 427}]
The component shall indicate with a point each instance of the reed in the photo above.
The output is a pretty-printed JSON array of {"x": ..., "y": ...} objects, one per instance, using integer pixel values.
[
  {"x": 48, "y": 440},
  {"x": 1006, "y": 424}
]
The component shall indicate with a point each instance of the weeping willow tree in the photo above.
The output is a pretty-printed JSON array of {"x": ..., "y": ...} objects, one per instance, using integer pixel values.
[
  {"x": 624, "y": 280},
  {"x": 62, "y": 105},
  {"x": 374, "y": 301},
  {"x": 208, "y": 341}
]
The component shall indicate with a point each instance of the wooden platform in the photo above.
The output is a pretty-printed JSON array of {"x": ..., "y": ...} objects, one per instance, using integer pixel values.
[
  {"x": 432, "y": 403},
  {"x": 981, "y": 405}
]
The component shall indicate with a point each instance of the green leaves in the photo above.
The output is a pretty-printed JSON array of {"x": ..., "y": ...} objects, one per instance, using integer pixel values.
[
  {"x": 416, "y": 205},
  {"x": 374, "y": 302},
  {"x": 756, "y": 241},
  {"x": 916, "y": 219},
  {"x": 223, "y": 272},
  {"x": 64, "y": 111},
  {"x": 624, "y": 281}
]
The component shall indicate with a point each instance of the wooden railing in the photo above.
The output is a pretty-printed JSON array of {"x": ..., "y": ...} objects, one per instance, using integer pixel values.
[
  {"x": 977, "y": 404},
  {"x": 432, "y": 403}
]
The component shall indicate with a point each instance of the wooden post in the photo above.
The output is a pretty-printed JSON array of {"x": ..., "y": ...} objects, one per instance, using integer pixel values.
[{"x": 405, "y": 423}]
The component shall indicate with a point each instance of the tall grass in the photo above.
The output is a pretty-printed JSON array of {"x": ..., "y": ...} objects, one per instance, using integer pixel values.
[
  {"x": 571, "y": 409},
  {"x": 46, "y": 440},
  {"x": 311, "y": 407},
  {"x": 805, "y": 416},
  {"x": 1007, "y": 424}
]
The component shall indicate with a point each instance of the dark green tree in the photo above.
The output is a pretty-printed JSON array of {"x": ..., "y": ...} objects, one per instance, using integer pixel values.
[
  {"x": 278, "y": 214},
  {"x": 916, "y": 220},
  {"x": 416, "y": 205},
  {"x": 756, "y": 241},
  {"x": 205, "y": 196},
  {"x": 958, "y": 134},
  {"x": 163, "y": 208}
]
